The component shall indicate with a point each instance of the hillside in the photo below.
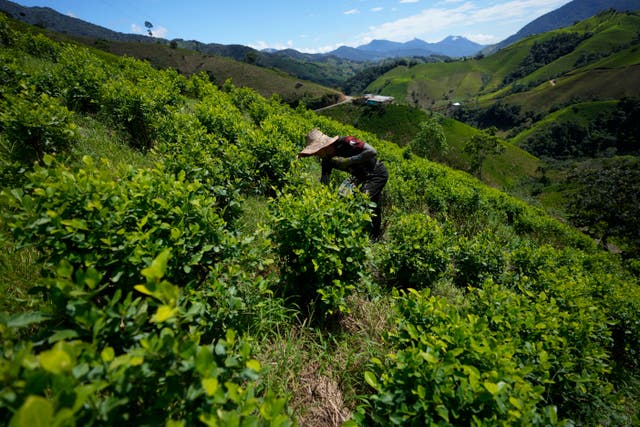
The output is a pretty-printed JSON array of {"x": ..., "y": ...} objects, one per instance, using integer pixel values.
[
  {"x": 401, "y": 123},
  {"x": 167, "y": 260},
  {"x": 266, "y": 81},
  {"x": 567, "y": 97},
  {"x": 323, "y": 69},
  {"x": 600, "y": 63},
  {"x": 567, "y": 15}
]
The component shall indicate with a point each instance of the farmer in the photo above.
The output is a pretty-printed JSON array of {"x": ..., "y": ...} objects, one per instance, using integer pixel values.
[{"x": 348, "y": 153}]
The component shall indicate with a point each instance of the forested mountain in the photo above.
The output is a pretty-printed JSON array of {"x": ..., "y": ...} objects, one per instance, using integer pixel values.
[{"x": 569, "y": 14}]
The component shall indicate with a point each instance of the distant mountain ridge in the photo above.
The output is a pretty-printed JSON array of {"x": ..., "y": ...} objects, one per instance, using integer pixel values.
[
  {"x": 452, "y": 46},
  {"x": 334, "y": 65}
]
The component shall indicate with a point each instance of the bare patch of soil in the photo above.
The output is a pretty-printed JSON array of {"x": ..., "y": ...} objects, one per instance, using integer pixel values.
[{"x": 323, "y": 399}]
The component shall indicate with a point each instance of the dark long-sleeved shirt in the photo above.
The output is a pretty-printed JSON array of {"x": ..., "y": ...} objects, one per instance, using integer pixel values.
[{"x": 359, "y": 157}]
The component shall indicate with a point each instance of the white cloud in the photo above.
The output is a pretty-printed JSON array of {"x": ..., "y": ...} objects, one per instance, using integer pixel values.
[
  {"x": 351, "y": 12},
  {"x": 160, "y": 32},
  {"x": 482, "y": 38},
  {"x": 377, "y": 9},
  {"x": 261, "y": 44},
  {"x": 321, "y": 49},
  {"x": 409, "y": 1},
  {"x": 432, "y": 22}
]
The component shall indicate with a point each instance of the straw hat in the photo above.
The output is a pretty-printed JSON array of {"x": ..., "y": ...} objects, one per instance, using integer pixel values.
[{"x": 316, "y": 142}]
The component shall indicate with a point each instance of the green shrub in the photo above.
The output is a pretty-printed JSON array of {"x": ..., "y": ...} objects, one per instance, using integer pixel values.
[
  {"x": 164, "y": 376},
  {"x": 136, "y": 105},
  {"x": 220, "y": 117},
  {"x": 416, "y": 253},
  {"x": 188, "y": 149},
  {"x": 40, "y": 46},
  {"x": 80, "y": 76},
  {"x": 577, "y": 279},
  {"x": 450, "y": 368},
  {"x": 477, "y": 259},
  {"x": 34, "y": 125},
  {"x": 564, "y": 340},
  {"x": 7, "y": 35},
  {"x": 85, "y": 217},
  {"x": 322, "y": 243}
]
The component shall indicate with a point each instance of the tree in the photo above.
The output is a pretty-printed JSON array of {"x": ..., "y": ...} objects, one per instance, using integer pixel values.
[
  {"x": 481, "y": 145},
  {"x": 251, "y": 57},
  {"x": 430, "y": 141},
  {"x": 149, "y": 26},
  {"x": 607, "y": 201}
]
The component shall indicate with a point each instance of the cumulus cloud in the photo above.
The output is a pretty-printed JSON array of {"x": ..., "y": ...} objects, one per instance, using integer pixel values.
[
  {"x": 409, "y": 1},
  {"x": 377, "y": 9},
  {"x": 482, "y": 38},
  {"x": 351, "y": 11},
  {"x": 160, "y": 32},
  {"x": 434, "y": 20},
  {"x": 261, "y": 44}
]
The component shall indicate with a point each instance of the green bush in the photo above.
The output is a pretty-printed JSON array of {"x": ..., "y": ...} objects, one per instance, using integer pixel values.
[
  {"x": 89, "y": 219},
  {"x": 477, "y": 259},
  {"x": 583, "y": 280},
  {"x": 164, "y": 376},
  {"x": 322, "y": 243},
  {"x": 80, "y": 76},
  {"x": 7, "y": 35},
  {"x": 34, "y": 125},
  {"x": 565, "y": 344},
  {"x": 450, "y": 368},
  {"x": 187, "y": 149},
  {"x": 40, "y": 46},
  {"x": 417, "y": 252},
  {"x": 220, "y": 117},
  {"x": 136, "y": 104}
]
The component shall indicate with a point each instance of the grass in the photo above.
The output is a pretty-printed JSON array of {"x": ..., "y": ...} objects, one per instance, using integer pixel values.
[
  {"x": 320, "y": 371},
  {"x": 397, "y": 123},
  {"x": 19, "y": 269},
  {"x": 100, "y": 141}
]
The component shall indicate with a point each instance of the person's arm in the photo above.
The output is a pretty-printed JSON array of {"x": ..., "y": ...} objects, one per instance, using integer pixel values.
[
  {"x": 327, "y": 167},
  {"x": 365, "y": 156}
]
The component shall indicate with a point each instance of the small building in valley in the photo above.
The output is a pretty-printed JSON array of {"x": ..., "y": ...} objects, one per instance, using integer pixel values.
[{"x": 370, "y": 99}]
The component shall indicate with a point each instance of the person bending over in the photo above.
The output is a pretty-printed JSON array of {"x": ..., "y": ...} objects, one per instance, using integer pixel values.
[{"x": 359, "y": 159}]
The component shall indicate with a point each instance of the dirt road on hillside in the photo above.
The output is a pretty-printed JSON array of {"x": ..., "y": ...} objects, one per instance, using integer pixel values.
[{"x": 343, "y": 101}]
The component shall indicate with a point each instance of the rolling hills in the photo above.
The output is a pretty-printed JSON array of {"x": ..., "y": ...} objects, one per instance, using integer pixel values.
[{"x": 603, "y": 65}]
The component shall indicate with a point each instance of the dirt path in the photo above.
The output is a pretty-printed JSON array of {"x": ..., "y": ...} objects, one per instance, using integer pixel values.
[{"x": 343, "y": 101}]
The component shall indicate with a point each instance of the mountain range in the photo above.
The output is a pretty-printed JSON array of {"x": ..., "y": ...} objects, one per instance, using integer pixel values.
[
  {"x": 452, "y": 46},
  {"x": 376, "y": 50}
]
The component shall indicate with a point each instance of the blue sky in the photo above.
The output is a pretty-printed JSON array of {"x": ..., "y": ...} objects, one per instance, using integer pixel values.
[{"x": 309, "y": 25}]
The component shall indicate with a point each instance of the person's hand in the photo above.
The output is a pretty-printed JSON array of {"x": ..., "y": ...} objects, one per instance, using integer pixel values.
[{"x": 340, "y": 162}]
